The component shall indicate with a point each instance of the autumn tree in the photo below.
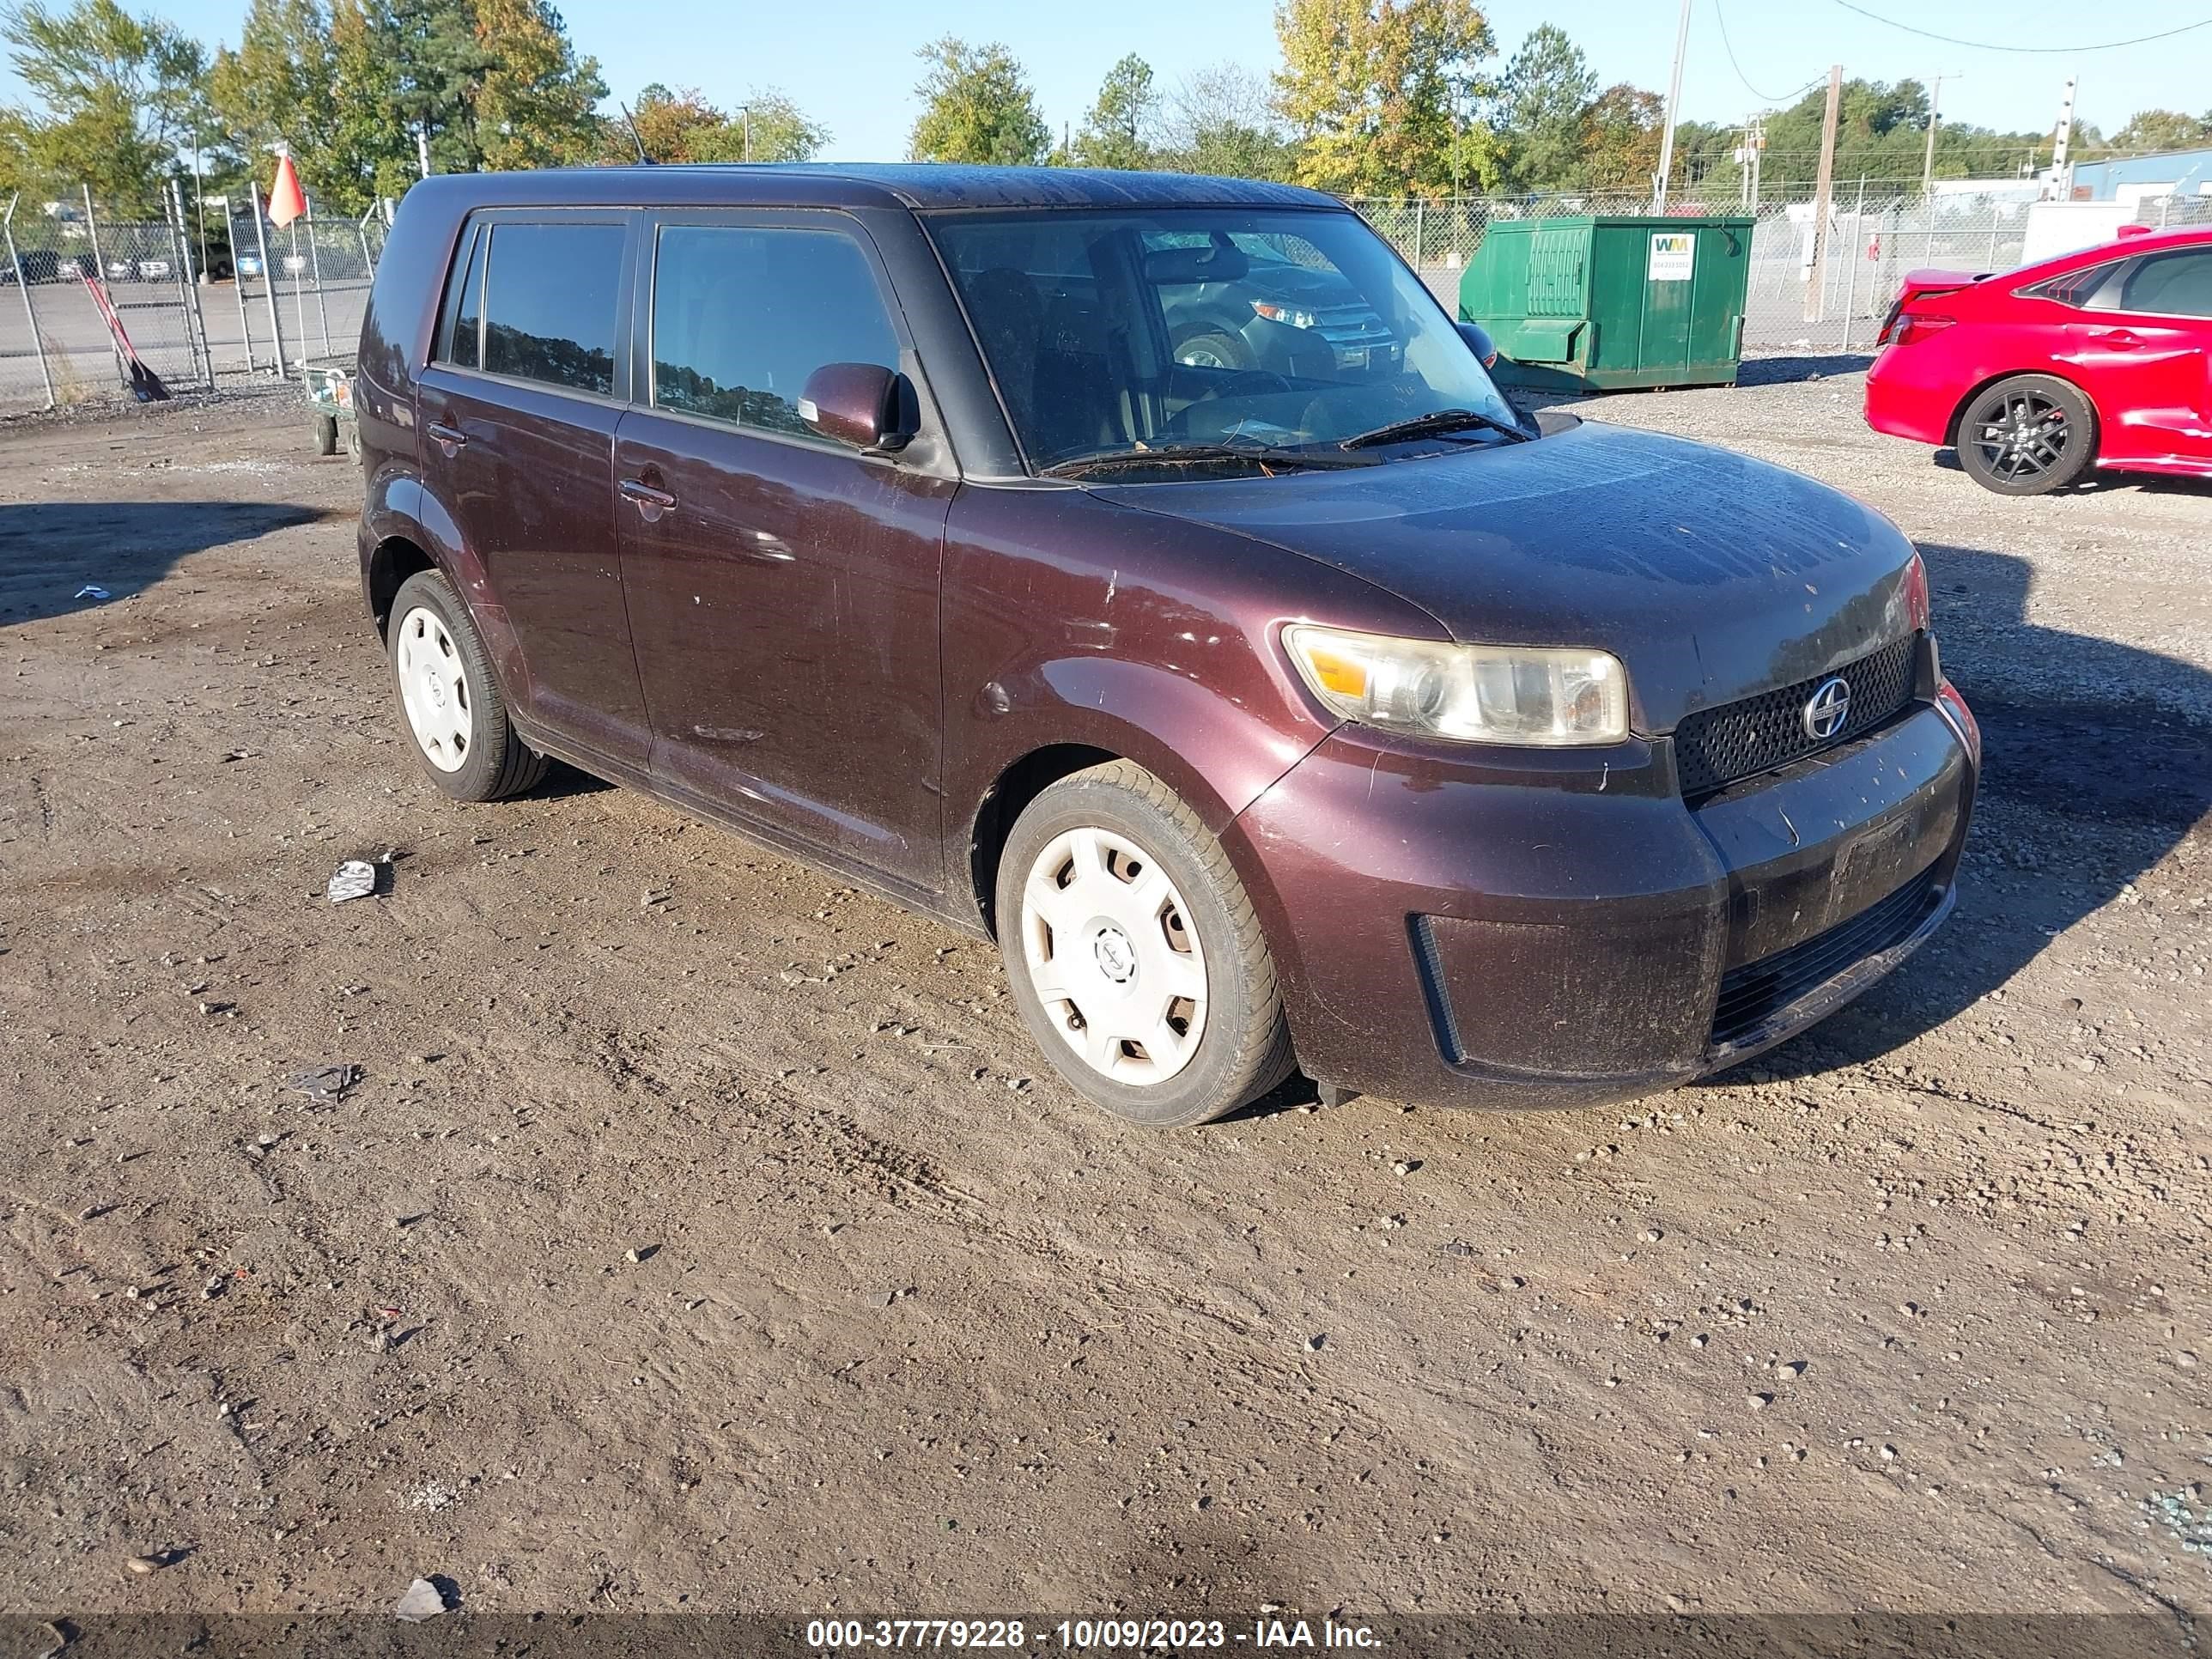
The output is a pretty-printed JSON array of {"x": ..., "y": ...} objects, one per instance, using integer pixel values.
[
  {"x": 1376, "y": 88},
  {"x": 1620, "y": 139},
  {"x": 120, "y": 92},
  {"x": 537, "y": 105},
  {"x": 1539, "y": 112},
  {"x": 1118, "y": 131},
  {"x": 976, "y": 106},
  {"x": 683, "y": 126}
]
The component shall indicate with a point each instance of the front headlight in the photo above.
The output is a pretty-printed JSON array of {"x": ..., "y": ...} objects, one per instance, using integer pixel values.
[
  {"x": 1467, "y": 693},
  {"x": 1290, "y": 316}
]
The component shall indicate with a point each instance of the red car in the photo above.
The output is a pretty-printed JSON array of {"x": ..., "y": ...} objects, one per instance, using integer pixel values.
[{"x": 2101, "y": 358}]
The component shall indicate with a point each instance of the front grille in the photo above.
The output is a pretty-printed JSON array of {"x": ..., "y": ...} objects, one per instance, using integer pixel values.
[
  {"x": 1350, "y": 325},
  {"x": 1715, "y": 747},
  {"x": 1755, "y": 992}
]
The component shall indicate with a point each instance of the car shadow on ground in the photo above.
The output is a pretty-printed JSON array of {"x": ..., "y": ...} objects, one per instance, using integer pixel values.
[
  {"x": 2097, "y": 762},
  {"x": 52, "y": 552},
  {"x": 2095, "y": 482}
]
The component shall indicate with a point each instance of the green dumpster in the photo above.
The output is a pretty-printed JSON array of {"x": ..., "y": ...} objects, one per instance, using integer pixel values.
[{"x": 1595, "y": 302}]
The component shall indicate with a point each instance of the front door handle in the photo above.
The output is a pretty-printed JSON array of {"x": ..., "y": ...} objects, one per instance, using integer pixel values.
[
  {"x": 449, "y": 439},
  {"x": 650, "y": 503},
  {"x": 2118, "y": 339}
]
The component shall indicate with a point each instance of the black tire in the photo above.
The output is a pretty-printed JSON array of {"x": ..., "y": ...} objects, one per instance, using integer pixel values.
[
  {"x": 1213, "y": 348},
  {"x": 326, "y": 435},
  {"x": 353, "y": 439},
  {"x": 1242, "y": 1048},
  {"x": 2027, "y": 435},
  {"x": 494, "y": 763}
]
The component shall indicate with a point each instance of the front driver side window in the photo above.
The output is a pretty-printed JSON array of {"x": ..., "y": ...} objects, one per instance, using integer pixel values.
[{"x": 741, "y": 317}]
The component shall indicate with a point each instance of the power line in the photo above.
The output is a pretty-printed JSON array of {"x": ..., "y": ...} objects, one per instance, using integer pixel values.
[
  {"x": 1721, "y": 17},
  {"x": 1988, "y": 46}
]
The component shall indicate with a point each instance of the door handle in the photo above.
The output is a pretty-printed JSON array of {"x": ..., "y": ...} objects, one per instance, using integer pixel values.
[
  {"x": 449, "y": 439},
  {"x": 650, "y": 503},
  {"x": 2118, "y": 339}
]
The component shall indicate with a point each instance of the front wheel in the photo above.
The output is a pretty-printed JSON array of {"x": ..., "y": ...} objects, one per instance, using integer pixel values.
[
  {"x": 2027, "y": 435},
  {"x": 1135, "y": 956},
  {"x": 1213, "y": 348}
]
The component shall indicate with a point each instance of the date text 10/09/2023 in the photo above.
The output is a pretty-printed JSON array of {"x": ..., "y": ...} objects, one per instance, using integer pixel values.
[{"x": 1080, "y": 1635}]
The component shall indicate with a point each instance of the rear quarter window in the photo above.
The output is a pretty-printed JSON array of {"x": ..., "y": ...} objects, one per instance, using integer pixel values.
[{"x": 2081, "y": 288}]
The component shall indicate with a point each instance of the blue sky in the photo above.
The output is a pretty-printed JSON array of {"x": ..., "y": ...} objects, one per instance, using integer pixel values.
[{"x": 851, "y": 65}]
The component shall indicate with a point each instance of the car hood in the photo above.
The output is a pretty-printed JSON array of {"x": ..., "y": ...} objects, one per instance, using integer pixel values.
[{"x": 1711, "y": 575}]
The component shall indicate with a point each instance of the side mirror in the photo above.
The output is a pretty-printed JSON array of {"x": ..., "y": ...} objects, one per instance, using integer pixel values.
[
  {"x": 1479, "y": 342},
  {"x": 855, "y": 403}
]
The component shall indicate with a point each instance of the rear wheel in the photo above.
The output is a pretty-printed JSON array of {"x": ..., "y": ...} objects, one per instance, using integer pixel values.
[
  {"x": 2027, "y": 435},
  {"x": 455, "y": 714},
  {"x": 326, "y": 435},
  {"x": 1135, "y": 956}
]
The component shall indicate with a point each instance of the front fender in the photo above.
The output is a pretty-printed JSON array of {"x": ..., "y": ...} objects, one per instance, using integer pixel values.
[{"x": 1071, "y": 620}]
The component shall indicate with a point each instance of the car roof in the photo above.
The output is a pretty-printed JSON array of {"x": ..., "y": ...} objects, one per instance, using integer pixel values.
[
  {"x": 2128, "y": 247},
  {"x": 922, "y": 185}
]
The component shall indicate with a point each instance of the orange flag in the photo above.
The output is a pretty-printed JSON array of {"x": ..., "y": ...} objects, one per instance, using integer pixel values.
[{"x": 287, "y": 201}]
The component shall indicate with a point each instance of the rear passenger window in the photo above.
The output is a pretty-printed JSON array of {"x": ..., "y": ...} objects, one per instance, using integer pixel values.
[
  {"x": 741, "y": 317},
  {"x": 2170, "y": 285},
  {"x": 548, "y": 299}
]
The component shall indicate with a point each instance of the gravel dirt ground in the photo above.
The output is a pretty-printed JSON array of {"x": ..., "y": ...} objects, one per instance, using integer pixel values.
[{"x": 701, "y": 1234}]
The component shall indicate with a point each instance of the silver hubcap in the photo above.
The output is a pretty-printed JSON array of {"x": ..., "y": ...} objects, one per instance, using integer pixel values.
[
  {"x": 435, "y": 689},
  {"x": 1113, "y": 958}
]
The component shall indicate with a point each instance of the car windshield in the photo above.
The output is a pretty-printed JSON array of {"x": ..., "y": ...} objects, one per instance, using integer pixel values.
[{"x": 1174, "y": 343}]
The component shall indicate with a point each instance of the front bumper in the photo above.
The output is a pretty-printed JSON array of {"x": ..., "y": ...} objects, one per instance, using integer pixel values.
[{"x": 1507, "y": 932}]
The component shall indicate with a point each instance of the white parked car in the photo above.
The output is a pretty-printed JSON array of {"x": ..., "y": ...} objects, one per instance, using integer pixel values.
[{"x": 154, "y": 270}]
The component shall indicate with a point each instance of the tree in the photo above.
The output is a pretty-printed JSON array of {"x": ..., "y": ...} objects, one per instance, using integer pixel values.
[
  {"x": 372, "y": 154},
  {"x": 976, "y": 106},
  {"x": 536, "y": 105},
  {"x": 676, "y": 127},
  {"x": 275, "y": 89},
  {"x": 1118, "y": 131},
  {"x": 438, "y": 63},
  {"x": 779, "y": 128},
  {"x": 120, "y": 92},
  {"x": 1222, "y": 120},
  {"x": 2153, "y": 129},
  {"x": 1375, "y": 88},
  {"x": 1620, "y": 139},
  {"x": 1540, "y": 113}
]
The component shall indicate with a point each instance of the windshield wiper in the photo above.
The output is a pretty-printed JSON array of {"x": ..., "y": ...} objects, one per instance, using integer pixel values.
[
  {"x": 1434, "y": 424},
  {"x": 1182, "y": 455}
]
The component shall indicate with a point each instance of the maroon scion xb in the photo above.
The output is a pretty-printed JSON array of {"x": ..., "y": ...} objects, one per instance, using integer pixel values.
[{"x": 1142, "y": 572}]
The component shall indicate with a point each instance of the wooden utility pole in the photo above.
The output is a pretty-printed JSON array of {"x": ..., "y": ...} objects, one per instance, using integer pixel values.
[{"x": 1817, "y": 288}]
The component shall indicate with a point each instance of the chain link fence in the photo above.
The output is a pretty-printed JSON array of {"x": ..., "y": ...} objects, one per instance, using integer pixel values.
[
  {"x": 286, "y": 295},
  {"x": 1799, "y": 297},
  {"x": 280, "y": 297}
]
